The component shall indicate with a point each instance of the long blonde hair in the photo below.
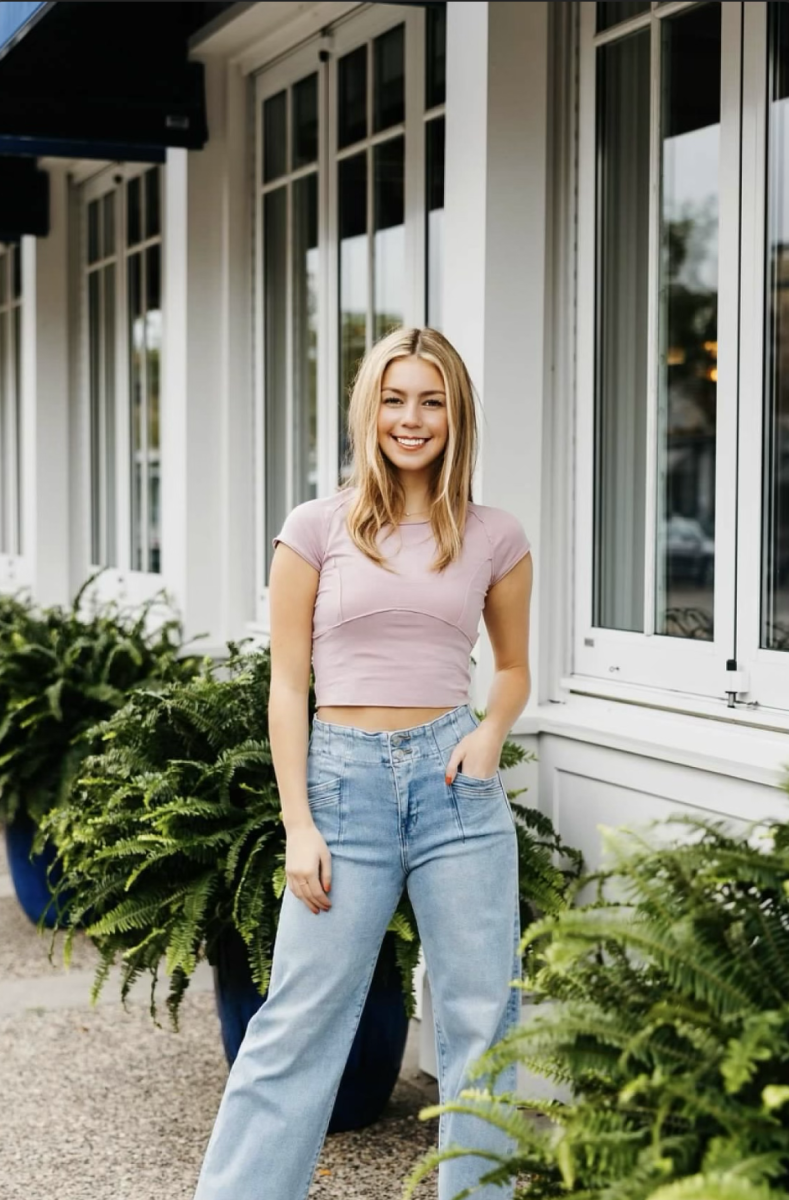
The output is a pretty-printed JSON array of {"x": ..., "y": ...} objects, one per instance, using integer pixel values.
[{"x": 380, "y": 500}]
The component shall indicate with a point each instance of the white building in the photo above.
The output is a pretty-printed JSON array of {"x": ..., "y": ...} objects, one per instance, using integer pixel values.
[{"x": 590, "y": 200}]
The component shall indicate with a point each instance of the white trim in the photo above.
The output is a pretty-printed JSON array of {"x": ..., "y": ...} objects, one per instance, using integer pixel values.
[
  {"x": 768, "y": 670},
  {"x": 264, "y": 33},
  {"x": 668, "y": 663},
  {"x": 731, "y": 748}
]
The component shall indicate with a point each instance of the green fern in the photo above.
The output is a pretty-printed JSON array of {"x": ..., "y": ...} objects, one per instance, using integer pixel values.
[
  {"x": 669, "y": 1020},
  {"x": 63, "y": 671},
  {"x": 173, "y": 834}
]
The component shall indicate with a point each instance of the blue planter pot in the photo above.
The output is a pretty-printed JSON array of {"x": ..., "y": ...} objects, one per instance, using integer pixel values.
[
  {"x": 377, "y": 1052},
  {"x": 30, "y": 876}
]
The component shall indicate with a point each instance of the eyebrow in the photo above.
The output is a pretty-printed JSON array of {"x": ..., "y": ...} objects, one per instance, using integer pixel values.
[{"x": 429, "y": 392}]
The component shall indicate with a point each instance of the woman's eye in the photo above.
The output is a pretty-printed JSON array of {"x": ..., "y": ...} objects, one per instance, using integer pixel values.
[
  {"x": 434, "y": 403},
  {"x": 391, "y": 399}
]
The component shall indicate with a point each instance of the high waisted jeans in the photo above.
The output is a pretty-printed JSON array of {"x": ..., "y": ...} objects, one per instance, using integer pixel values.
[{"x": 390, "y": 821}]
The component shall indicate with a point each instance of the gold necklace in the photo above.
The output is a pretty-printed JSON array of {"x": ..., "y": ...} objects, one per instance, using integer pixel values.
[{"x": 416, "y": 513}]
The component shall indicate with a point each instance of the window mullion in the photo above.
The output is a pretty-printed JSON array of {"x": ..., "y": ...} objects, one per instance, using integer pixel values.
[{"x": 653, "y": 456}]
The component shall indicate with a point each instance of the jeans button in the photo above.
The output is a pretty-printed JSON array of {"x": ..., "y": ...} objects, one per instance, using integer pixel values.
[{"x": 396, "y": 739}]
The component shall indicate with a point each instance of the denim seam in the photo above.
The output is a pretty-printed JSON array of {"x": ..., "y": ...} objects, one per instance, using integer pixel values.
[
  {"x": 400, "y": 833},
  {"x": 442, "y": 1076}
]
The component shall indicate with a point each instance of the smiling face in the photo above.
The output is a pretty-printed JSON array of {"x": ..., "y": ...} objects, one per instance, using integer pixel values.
[{"x": 413, "y": 426}]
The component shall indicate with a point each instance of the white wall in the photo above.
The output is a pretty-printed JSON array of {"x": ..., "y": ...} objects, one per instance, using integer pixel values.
[
  {"x": 494, "y": 284},
  {"x": 207, "y": 423}
]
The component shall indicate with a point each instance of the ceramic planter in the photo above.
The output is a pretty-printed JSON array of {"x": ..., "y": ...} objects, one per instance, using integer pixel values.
[{"x": 377, "y": 1052}]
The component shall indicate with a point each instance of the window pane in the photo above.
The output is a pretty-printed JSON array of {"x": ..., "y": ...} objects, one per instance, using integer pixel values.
[
  {"x": 389, "y": 208},
  {"x": 153, "y": 349},
  {"x": 275, "y": 291},
  {"x": 389, "y": 78},
  {"x": 436, "y": 56},
  {"x": 435, "y": 140},
  {"x": 775, "y": 517},
  {"x": 16, "y": 270},
  {"x": 16, "y": 319},
  {"x": 275, "y": 140},
  {"x": 5, "y": 433},
  {"x": 108, "y": 405},
  {"x": 305, "y": 338},
  {"x": 94, "y": 252},
  {"x": 137, "y": 402},
  {"x": 352, "y": 97},
  {"x": 153, "y": 202},
  {"x": 612, "y": 13},
  {"x": 108, "y": 222},
  {"x": 688, "y": 323},
  {"x": 305, "y": 122},
  {"x": 354, "y": 291},
  {"x": 622, "y": 325},
  {"x": 133, "y": 212},
  {"x": 94, "y": 383}
]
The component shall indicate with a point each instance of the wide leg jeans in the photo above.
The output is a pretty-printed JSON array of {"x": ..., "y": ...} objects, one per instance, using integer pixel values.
[{"x": 390, "y": 820}]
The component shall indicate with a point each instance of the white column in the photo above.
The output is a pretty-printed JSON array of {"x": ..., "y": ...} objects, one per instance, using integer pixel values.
[
  {"x": 495, "y": 264},
  {"x": 45, "y": 403},
  {"x": 207, "y": 426}
]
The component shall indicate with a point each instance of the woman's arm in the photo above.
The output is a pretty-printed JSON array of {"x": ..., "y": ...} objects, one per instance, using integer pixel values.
[
  {"x": 293, "y": 586},
  {"x": 506, "y": 615}
]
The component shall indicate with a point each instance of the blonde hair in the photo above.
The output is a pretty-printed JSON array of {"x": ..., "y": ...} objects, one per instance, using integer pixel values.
[{"x": 380, "y": 500}]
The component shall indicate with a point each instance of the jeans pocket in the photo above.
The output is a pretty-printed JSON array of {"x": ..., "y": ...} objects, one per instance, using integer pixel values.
[{"x": 323, "y": 793}]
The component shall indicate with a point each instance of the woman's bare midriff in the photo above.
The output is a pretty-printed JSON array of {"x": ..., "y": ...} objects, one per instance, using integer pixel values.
[{"x": 375, "y": 720}]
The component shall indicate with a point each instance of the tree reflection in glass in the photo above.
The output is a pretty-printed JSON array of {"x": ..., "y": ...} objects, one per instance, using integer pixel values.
[{"x": 688, "y": 324}]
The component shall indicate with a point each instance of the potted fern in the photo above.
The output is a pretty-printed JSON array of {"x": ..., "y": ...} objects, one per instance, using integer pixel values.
[
  {"x": 173, "y": 843},
  {"x": 62, "y": 672},
  {"x": 669, "y": 1022}
]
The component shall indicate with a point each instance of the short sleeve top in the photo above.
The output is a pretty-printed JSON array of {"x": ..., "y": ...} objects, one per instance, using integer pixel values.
[{"x": 400, "y": 637}]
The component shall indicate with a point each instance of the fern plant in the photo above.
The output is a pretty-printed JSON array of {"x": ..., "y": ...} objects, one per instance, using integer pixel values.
[
  {"x": 669, "y": 1023},
  {"x": 63, "y": 671},
  {"x": 174, "y": 835}
]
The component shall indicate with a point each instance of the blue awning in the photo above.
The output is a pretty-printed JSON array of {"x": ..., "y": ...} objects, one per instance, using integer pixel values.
[
  {"x": 15, "y": 15},
  {"x": 102, "y": 80}
]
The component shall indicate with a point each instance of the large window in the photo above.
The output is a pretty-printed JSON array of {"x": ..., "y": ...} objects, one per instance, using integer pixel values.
[
  {"x": 122, "y": 266},
  {"x": 10, "y": 401},
  {"x": 350, "y": 182},
  {"x": 682, "y": 513}
]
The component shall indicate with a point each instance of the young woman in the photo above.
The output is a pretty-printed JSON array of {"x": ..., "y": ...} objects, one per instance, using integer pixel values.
[{"x": 381, "y": 588}]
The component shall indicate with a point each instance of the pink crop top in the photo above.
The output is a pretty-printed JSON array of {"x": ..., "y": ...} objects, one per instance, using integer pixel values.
[{"x": 403, "y": 639}]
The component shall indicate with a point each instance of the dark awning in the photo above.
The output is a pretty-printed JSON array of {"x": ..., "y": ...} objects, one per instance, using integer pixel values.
[
  {"x": 101, "y": 80},
  {"x": 24, "y": 199}
]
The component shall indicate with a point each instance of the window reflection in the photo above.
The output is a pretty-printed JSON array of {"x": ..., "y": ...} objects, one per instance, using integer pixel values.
[
  {"x": 435, "y": 142},
  {"x": 688, "y": 324},
  {"x": 389, "y": 208},
  {"x": 622, "y": 324},
  {"x": 354, "y": 290},
  {"x": 775, "y": 537}
]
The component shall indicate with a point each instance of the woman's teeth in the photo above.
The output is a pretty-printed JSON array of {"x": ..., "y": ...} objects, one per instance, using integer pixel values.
[{"x": 410, "y": 443}]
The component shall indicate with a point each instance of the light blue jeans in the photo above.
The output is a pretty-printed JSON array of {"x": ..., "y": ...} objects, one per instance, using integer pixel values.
[{"x": 390, "y": 821}]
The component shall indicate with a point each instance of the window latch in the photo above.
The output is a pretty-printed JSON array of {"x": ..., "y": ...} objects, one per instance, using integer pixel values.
[{"x": 737, "y": 682}]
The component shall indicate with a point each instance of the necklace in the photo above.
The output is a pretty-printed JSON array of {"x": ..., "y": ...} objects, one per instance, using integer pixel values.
[{"x": 416, "y": 513}]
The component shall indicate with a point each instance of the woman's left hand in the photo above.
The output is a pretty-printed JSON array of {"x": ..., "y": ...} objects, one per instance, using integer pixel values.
[{"x": 479, "y": 752}]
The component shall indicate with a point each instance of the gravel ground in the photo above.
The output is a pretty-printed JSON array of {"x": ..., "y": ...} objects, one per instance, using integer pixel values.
[
  {"x": 99, "y": 1104},
  {"x": 24, "y": 952}
]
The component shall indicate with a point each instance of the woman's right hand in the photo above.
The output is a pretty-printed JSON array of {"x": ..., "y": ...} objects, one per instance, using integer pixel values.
[{"x": 308, "y": 867}]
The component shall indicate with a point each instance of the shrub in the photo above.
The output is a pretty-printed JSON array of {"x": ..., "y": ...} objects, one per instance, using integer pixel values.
[
  {"x": 61, "y": 673},
  {"x": 174, "y": 834},
  {"x": 669, "y": 1022}
]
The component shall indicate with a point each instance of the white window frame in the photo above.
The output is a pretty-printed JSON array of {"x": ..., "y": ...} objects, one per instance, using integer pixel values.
[
  {"x": 616, "y": 659},
  {"x": 322, "y": 55},
  {"x": 768, "y": 670},
  {"x": 120, "y": 581}
]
